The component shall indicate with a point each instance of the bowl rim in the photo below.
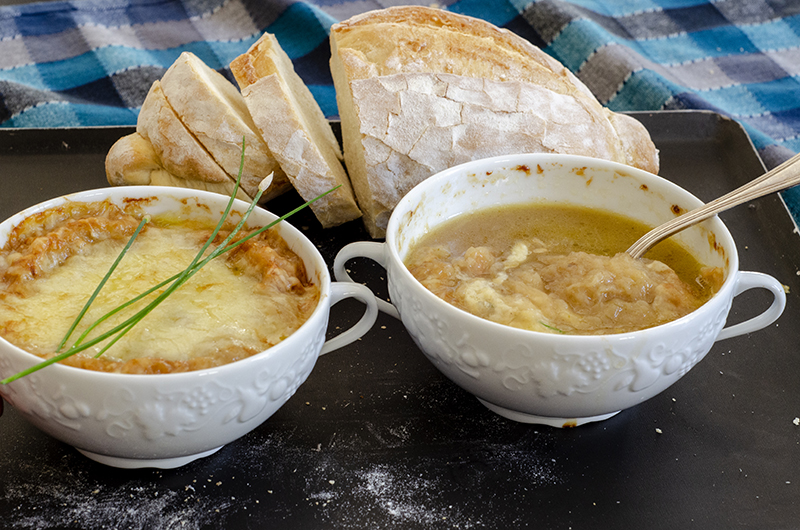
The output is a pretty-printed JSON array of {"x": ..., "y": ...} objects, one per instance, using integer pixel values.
[
  {"x": 507, "y": 161},
  {"x": 157, "y": 192}
]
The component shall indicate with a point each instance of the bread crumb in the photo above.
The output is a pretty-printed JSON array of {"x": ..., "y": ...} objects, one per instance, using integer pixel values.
[
  {"x": 658, "y": 430},
  {"x": 796, "y": 421}
]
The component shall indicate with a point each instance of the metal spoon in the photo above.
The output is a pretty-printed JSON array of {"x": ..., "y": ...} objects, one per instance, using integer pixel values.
[{"x": 784, "y": 176}]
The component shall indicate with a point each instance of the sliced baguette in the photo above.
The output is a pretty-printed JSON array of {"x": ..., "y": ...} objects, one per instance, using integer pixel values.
[
  {"x": 295, "y": 129},
  {"x": 421, "y": 89},
  {"x": 180, "y": 153},
  {"x": 214, "y": 112},
  {"x": 132, "y": 160}
]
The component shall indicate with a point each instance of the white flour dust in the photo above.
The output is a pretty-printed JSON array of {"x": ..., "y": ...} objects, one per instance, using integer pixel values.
[
  {"x": 377, "y": 477},
  {"x": 413, "y": 493},
  {"x": 406, "y": 499},
  {"x": 64, "y": 498}
]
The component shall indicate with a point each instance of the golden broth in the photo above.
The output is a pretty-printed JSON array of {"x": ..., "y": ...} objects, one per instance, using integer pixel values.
[
  {"x": 237, "y": 305},
  {"x": 559, "y": 268}
]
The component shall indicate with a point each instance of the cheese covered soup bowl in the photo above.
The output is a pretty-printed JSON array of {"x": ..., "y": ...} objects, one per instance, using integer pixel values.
[
  {"x": 555, "y": 378},
  {"x": 165, "y": 420}
]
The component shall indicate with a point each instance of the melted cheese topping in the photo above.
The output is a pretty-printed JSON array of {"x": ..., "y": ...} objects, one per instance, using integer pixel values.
[{"x": 237, "y": 305}]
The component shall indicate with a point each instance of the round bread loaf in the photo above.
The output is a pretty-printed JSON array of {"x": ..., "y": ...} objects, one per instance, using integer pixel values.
[{"x": 421, "y": 89}]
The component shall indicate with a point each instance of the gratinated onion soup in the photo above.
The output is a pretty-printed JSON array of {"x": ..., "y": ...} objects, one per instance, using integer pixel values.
[
  {"x": 239, "y": 304},
  {"x": 559, "y": 268}
]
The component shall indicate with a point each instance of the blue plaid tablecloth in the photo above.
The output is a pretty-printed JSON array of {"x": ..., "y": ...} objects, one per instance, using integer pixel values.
[{"x": 91, "y": 62}]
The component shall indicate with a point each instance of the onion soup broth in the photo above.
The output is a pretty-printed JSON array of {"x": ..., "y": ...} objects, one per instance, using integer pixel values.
[{"x": 559, "y": 268}]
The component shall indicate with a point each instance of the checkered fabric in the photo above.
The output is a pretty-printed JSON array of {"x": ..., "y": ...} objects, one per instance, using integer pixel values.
[{"x": 91, "y": 62}]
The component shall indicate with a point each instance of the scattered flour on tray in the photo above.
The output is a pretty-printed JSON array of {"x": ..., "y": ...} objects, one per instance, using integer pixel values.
[
  {"x": 66, "y": 498},
  {"x": 400, "y": 495},
  {"x": 347, "y": 489},
  {"x": 379, "y": 476}
]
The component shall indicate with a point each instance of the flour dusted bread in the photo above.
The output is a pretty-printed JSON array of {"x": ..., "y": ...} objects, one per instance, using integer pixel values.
[
  {"x": 189, "y": 134},
  {"x": 418, "y": 90},
  {"x": 180, "y": 153},
  {"x": 421, "y": 89},
  {"x": 216, "y": 115},
  {"x": 132, "y": 161},
  {"x": 295, "y": 129}
]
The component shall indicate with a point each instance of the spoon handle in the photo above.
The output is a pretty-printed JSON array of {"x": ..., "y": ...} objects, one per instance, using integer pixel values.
[{"x": 784, "y": 176}]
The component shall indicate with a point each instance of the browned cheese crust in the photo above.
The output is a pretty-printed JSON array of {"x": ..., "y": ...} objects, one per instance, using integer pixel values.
[{"x": 42, "y": 243}]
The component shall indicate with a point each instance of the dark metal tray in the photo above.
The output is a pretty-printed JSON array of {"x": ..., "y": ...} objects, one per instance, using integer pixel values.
[{"x": 377, "y": 438}]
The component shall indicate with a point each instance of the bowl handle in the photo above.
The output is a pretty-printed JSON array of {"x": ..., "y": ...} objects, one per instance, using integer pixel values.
[
  {"x": 340, "y": 291},
  {"x": 753, "y": 280},
  {"x": 363, "y": 249}
]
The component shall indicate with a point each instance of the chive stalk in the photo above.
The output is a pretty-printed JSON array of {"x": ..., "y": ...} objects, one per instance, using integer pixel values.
[
  {"x": 551, "y": 327},
  {"x": 145, "y": 220},
  {"x": 172, "y": 283}
]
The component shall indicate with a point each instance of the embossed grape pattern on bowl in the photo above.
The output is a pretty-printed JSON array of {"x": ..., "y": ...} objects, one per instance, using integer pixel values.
[
  {"x": 168, "y": 420},
  {"x": 548, "y": 378}
]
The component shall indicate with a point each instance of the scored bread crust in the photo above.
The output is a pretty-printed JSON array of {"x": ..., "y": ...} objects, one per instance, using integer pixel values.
[
  {"x": 415, "y": 125},
  {"x": 295, "y": 129},
  {"x": 405, "y": 81},
  {"x": 132, "y": 161},
  {"x": 215, "y": 113},
  {"x": 421, "y": 39},
  {"x": 178, "y": 150}
]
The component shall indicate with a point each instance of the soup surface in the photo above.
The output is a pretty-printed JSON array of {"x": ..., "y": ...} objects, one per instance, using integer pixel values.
[
  {"x": 560, "y": 269},
  {"x": 239, "y": 304}
]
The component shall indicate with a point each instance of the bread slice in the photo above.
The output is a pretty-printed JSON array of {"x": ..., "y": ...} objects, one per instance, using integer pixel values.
[
  {"x": 132, "y": 160},
  {"x": 295, "y": 129},
  {"x": 214, "y": 112},
  {"x": 421, "y": 89},
  {"x": 199, "y": 147},
  {"x": 180, "y": 153}
]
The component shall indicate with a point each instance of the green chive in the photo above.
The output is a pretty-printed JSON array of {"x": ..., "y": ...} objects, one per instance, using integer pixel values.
[
  {"x": 551, "y": 327},
  {"x": 174, "y": 282}
]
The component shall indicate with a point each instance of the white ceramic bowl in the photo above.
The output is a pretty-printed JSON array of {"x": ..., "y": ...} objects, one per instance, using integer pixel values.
[
  {"x": 168, "y": 420},
  {"x": 546, "y": 378}
]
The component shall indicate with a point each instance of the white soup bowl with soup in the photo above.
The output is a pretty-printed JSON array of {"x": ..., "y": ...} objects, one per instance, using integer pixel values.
[
  {"x": 166, "y": 420},
  {"x": 552, "y": 378}
]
